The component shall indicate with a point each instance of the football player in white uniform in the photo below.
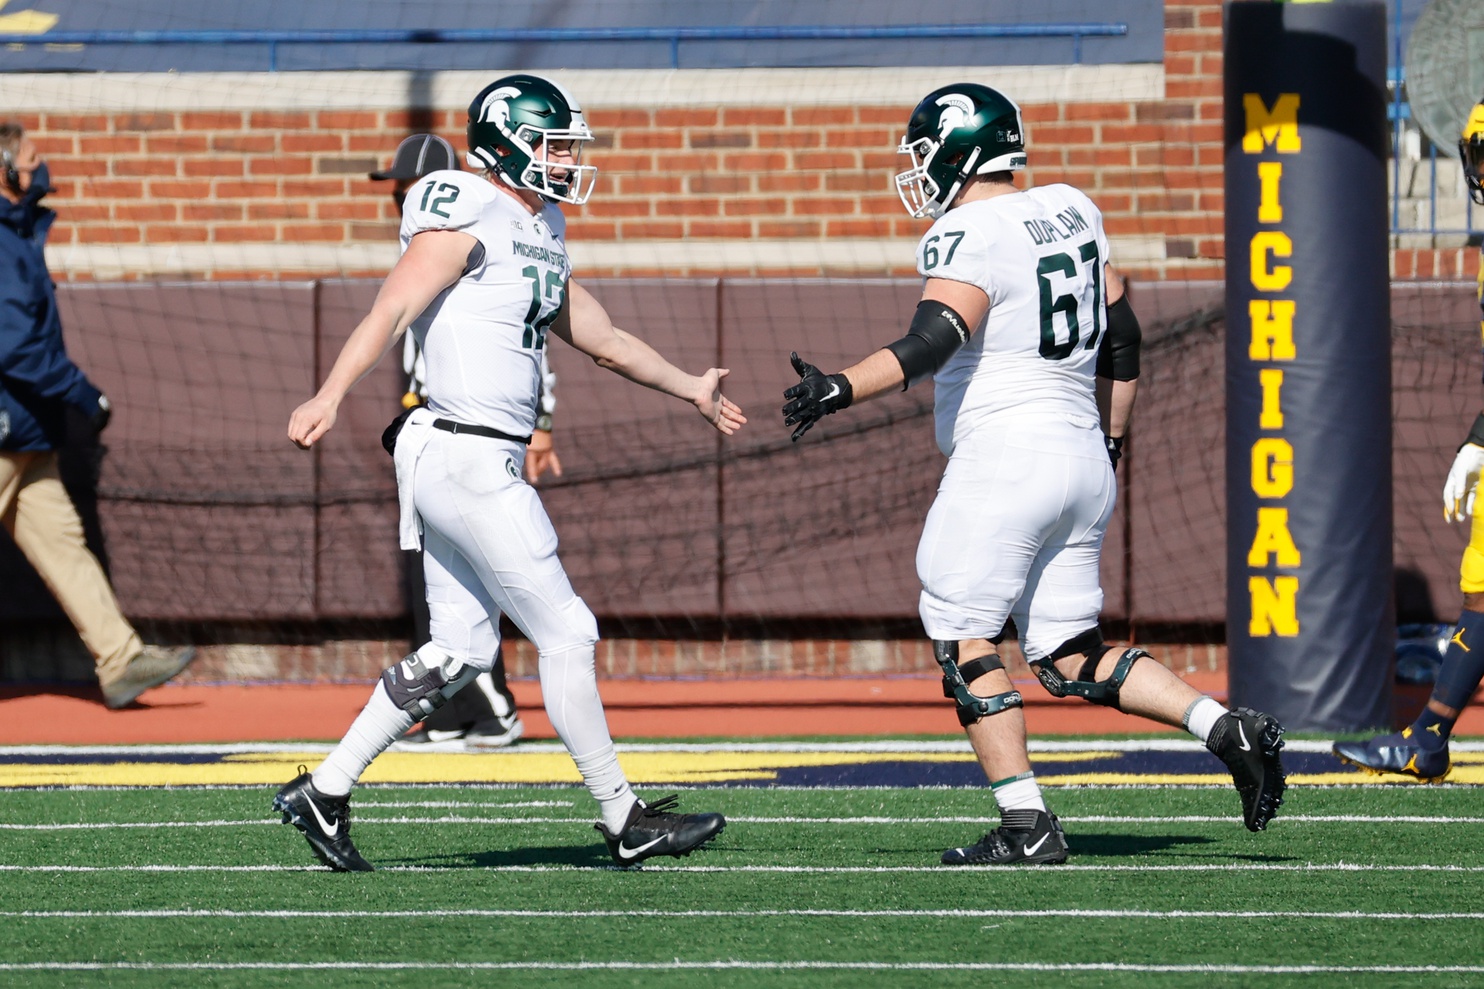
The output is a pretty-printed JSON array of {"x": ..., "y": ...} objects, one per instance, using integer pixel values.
[
  {"x": 1020, "y": 312},
  {"x": 483, "y": 714},
  {"x": 484, "y": 255}
]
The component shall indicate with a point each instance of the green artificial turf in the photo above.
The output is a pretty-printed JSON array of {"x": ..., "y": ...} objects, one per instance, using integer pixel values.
[{"x": 537, "y": 858}]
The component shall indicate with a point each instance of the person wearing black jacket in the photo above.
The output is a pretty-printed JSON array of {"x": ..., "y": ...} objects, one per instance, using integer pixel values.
[{"x": 38, "y": 385}]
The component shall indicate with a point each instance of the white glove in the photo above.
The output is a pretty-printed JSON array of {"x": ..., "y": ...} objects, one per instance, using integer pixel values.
[{"x": 1458, "y": 490}]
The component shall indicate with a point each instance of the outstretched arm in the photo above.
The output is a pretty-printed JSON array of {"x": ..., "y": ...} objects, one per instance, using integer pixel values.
[
  {"x": 433, "y": 261},
  {"x": 584, "y": 324},
  {"x": 947, "y": 314}
]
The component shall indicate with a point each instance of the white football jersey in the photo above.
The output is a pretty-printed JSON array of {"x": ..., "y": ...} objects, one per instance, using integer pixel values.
[
  {"x": 483, "y": 337},
  {"x": 1039, "y": 256}
]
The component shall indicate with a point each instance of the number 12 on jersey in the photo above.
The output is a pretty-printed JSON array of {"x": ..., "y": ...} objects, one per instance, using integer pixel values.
[
  {"x": 1052, "y": 304},
  {"x": 534, "y": 337}
]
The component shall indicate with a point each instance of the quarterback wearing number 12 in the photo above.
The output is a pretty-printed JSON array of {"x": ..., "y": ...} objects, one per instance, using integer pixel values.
[
  {"x": 1020, "y": 313},
  {"x": 482, "y": 279}
]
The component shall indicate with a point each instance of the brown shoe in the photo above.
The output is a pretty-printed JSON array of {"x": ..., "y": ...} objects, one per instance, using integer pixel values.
[{"x": 152, "y": 667}]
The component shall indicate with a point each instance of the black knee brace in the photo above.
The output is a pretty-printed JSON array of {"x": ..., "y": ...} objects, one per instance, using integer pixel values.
[
  {"x": 418, "y": 690},
  {"x": 956, "y": 680},
  {"x": 1086, "y": 686}
]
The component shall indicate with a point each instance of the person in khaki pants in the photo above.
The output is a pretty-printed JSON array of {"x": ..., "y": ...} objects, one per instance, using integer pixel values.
[{"x": 37, "y": 384}]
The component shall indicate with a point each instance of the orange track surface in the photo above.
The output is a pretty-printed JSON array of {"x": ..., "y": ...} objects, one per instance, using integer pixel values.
[{"x": 636, "y": 709}]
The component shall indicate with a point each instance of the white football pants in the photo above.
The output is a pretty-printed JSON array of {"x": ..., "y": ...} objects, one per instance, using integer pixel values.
[
  {"x": 490, "y": 549},
  {"x": 1016, "y": 531}
]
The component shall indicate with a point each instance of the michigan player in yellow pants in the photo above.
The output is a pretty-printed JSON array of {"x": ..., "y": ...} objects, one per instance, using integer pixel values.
[{"x": 1421, "y": 748}]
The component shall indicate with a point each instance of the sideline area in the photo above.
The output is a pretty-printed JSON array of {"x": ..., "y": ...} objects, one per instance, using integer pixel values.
[
  {"x": 741, "y": 708},
  {"x": 794, "y": 707}
]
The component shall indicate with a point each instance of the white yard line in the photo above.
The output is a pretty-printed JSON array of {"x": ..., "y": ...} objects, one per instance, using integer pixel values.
[
  {"x": 873, "y": 746},
  {"x": 683, "y": 914},
  {"x": 788, "y": 869},
  {"x": 679, "y": 965},
  {"x": 744, "y": 819},
  {"x": 459, "y": 805}
]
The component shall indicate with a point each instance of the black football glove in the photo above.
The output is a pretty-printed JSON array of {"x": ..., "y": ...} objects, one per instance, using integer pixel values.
[
  {"x": 814, "y": 397},
  {"x": 1115, "y": 450}
]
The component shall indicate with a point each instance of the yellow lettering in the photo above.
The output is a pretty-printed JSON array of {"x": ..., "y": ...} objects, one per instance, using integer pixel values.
[
  {"x": 1271, "y": 379},
  {"x": 1269, "y": 208},
  {"x": 1265, "y": 276},
  {"x": 1274, "y": 606},
  {"x": 1272, "y": 330},
  {"x": 1272, "y": 467},
  {"x": 1278, "y": 127},
  {"x": 1273, "y": 539}
]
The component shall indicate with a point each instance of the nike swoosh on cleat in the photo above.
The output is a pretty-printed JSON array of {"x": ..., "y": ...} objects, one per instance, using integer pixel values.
[
  {"x": 330, "y": 830},
  {"x": 1033, "y": 849},
  {"x": 629, "y": 853},
  {"x": 1243, "y": 736}
]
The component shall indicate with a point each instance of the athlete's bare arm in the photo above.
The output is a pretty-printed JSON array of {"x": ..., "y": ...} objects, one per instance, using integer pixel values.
[
  {"x": 434, "y": 260},
  {"x": 584, "y": 324},
  {"x": 882, "y": 372}
]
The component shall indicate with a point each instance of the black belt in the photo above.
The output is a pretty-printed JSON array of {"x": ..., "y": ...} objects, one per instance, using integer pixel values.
[{"x": 449, "y": 426}]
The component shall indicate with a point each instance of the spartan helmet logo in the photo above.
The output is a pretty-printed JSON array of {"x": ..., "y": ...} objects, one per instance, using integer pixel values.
[
  {"x": 957, "y": 109},
  {"x": 495, "y": 110}
]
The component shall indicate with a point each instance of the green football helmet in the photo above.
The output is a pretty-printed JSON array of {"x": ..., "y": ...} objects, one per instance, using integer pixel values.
[
  {"x": 955, "y": 133},
  {"x": 513, "y": 124}
]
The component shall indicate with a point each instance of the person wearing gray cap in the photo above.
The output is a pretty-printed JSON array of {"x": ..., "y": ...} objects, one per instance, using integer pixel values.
[{"x": 483, "y": 715}]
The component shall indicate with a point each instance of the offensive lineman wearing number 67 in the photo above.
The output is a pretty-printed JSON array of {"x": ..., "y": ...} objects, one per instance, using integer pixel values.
[
  {"x": 482, "y": 278},
  {"x": 1020, "y": 312}
]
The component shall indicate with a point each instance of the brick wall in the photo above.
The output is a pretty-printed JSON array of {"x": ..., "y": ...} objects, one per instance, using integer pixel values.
[
  {"x": 760, "y": 172},
  {"x": 175, "y": 176}
]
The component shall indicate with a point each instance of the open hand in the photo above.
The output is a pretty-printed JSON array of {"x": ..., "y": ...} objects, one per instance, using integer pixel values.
[
  {"x": 815, "y": 396},
  {"x": 719, "y": 410}
]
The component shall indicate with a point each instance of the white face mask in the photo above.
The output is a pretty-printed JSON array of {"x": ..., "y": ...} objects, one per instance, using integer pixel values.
[{"x": 917, "y": 189}]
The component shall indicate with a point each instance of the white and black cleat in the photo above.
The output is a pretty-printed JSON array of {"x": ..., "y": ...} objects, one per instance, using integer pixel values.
[
  {"x": 325, "y": 821},
  {"x": 1024, "y": 837},
  {"x": 1249, "y": 742},
  {"x": 654, "y": 829},
  {"x": 496, "y": 733}
]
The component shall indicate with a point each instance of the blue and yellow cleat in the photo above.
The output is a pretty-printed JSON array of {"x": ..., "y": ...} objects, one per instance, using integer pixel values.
[{"x": 1397, "y": 753}]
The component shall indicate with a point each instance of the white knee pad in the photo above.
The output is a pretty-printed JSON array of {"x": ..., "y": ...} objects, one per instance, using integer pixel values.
[{"x": 571, "y": 628}]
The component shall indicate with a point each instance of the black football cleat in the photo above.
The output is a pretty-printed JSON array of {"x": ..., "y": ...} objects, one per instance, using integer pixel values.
[
  {"x": 1249, "y": 742},
  {"x": 653, "y": 829},
  {"x": 1024, "y": 837},
  {"x": 325, "y": 821},
  {"x": 1397, "y": 753}
]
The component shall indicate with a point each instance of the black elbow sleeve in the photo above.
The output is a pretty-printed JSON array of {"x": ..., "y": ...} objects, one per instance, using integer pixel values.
[
  {"x": 936, "y": 333},
  {"x": 1118, "y": 355}
]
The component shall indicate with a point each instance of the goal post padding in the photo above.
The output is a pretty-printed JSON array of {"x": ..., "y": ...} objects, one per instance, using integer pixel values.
[{"x": 1311, "y": 619}]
